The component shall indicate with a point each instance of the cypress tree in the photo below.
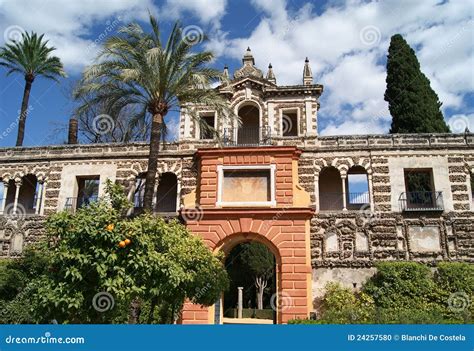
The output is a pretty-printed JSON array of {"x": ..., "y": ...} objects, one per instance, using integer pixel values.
[{"x": 413, "y": 104}]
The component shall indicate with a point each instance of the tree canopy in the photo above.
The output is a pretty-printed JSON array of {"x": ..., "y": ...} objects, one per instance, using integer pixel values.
[
  {"x": 413, "y": 104},
  {"x": 99, "y": 261}
]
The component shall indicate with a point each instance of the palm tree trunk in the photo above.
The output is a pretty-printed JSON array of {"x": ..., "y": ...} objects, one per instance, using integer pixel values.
[
  {"x": 24, "y": 111},
  {"x": 152, "y": 160}
]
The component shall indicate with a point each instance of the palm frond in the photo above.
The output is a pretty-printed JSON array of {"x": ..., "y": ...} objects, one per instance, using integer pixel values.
[{"x": 31, "y": 56}]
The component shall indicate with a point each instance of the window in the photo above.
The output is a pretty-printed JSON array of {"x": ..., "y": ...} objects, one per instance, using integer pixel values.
[
  {"x": 207, "y": 126},
  {"x": 357, "y": 187},
  {"x": 27, "y": 194},
  {"x": 167, "y": 193},
  {"x": 289, "y": 124},
  {"x": 420, "y": 191},
  {"x": 330, "y": 190},
  {"x": 88, "y": 190},
  {"x": 246, "y": 185},
  {"x": 249, "y": 130}
]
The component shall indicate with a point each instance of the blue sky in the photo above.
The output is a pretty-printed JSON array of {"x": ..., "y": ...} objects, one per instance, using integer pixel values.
[{"x": 346, "y": 42}]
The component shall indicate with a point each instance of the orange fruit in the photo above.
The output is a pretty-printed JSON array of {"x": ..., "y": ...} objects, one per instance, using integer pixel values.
[
  {"x": 122, "y": 244},
  {"x": 110, "y": 227},
  {"x": 127, "y": 241}
]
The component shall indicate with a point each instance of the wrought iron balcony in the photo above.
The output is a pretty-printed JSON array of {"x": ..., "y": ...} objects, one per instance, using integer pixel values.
[
  {"x": 73, "y": 203},
  {"x": 421, "y": 201},
  {"x": 247, "y": 136},
  {"x": 162, "y": 209}
]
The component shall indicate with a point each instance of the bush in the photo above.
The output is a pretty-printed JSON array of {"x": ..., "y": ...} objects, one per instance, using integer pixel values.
[
  {"x": 403, "y": 293},
  {"x": 401, "y": 285},
  {"x": 342, "y": 305},
  {"x": 408, "y": 292},
  {"x": 19, "y": 283}
]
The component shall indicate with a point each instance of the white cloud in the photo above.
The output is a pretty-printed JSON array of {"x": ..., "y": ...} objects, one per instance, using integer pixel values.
[
  {"x": 347, "y": 43},
  {"x": 459, "y": 122},
  {"x": 206, "y": 10},
  {"x": 68, "y": 26},
  {"x": 350, "y": 127}
]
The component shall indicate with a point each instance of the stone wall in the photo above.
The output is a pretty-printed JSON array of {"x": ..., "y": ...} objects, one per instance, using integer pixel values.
[{"x": 343, "y": 245}]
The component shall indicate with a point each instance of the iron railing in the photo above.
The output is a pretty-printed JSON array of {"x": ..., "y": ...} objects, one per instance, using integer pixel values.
[
  {"x": 73, "y": 203},
  {"x": 333, "y": 201},
  {"x": 358, "y": 198},
  {"x": 165, "y": 211},
  {"x": 421, "y": 201},
  {"x": 247, "y": 136}
]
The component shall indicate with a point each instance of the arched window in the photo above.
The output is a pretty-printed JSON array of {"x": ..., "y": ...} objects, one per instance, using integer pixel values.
[
  {"x": 249, "y": 131},
  {"x": 167, "y": 193},
  {"x": 330, "y": 190},
  {"x": 357, "y": 185},
  {"x": 29, "y": 196}
]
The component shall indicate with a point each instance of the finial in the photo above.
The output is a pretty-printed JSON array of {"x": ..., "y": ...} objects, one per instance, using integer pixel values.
[
  {"x": 270, "y": 75},
  {"x": 248, "y": 58},
  {"x": 226, "y": 71},
  {"x": 307, "y": 73}
]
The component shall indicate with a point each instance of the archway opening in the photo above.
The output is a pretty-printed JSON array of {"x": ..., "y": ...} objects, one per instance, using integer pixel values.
[
  {"x": 251, "y": 296},
  {"x": 330, "y": 190},
  {"x": 27, "y": 195},
  {"x": 357, "y": 185},
  {"x": 25, "y": 201},
  {"x": 167, "y": 192},
  {"x": 249, "y": 130}
]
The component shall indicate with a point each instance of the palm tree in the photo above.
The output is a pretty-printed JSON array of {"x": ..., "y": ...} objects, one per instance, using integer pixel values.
[
  {"x": 30, "y": 57},
  {"x": 135, "y": 69}
]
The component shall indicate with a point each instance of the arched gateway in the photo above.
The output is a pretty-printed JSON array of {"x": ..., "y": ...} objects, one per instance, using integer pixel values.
[{"x": 252, "y": 194}]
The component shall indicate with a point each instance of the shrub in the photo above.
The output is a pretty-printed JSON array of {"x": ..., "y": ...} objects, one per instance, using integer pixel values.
[
  {"x": 18, "y": 284},
  {"x": 403, "y": 293},
  {"x": 408, "y": 292},
  {"x": 401, "y": 285},
  {"x": 341, "y": 306}
]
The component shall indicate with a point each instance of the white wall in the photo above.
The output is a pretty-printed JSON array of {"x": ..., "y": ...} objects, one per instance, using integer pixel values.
[
  {"x": 439, "y": 165},
  {"x": 71, "y": 172}
]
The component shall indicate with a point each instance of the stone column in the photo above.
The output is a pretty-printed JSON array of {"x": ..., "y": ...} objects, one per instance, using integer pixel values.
[
  {"x": 39, "y": 196},
  {"x": 178, "y": 193},
  {"x": 371, "y": 193},
  {"x": 344, "y": 200},
  {"x": 240, "y": 301},
  {"x": 18, "y": 183},
  {"x": 155, "y": 190},
  {"x": 4, "y": 200},
  {"x": 132, "y": 186},
  {"x": 43, "y": 197}
]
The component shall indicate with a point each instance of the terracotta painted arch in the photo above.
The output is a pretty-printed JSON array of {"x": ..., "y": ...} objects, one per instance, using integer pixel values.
[{"x": 284, "y": 231}]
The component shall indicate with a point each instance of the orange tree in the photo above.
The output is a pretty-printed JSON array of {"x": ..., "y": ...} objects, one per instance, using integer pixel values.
[{"x": 102, "y": 260}]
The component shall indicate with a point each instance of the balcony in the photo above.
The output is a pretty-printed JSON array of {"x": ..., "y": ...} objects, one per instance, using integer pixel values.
[
  {"x": 163, "y": 209},
  {"x": 247, "y": 136},
  {"x": 421, "y": 201},
  {"x": 334, "y": 201},
  {"x": 74, "y": 203}
]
